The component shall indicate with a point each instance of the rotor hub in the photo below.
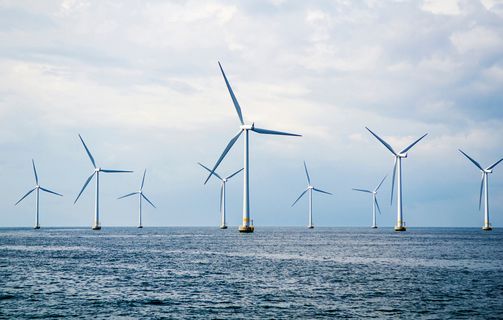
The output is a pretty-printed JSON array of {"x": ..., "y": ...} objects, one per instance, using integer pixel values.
[{"x": 248, "y": 126}]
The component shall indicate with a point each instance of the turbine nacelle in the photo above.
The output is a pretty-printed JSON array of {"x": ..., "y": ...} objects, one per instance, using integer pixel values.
[
  {"x": 487, "y": 171},
  {"x": 310, "y": 187},
  {"x": 97, "y": 169},
  {"x": 402, "y": 155},
  {"x": 248, "y": 126}
]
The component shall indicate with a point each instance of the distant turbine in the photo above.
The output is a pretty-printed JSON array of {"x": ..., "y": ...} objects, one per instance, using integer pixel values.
[
  {"x": 140, "y": 196},
  {"x": 484, "y": 184},
  {"x": 400, "y": 224},
  {"x": 374, "y": 201},
  {"x": 247, "y": 225},
  {"x": 97, "y": 170},
  {"x": 37, "y": 188},
  {"x": 223, "y": 224},
  {"x": 310, "y": 188}
]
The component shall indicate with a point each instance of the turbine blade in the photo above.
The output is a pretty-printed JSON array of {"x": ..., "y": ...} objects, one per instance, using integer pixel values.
[
  {"x": 27, "y": 194},
  {"x": 393, "y": 180},
  {"x": 473, "y": 161},
  {"x": 307, "y": 174},
  {"x": 85, "y": 185},
  {"x": 362, "y": 190},
  {"x": 381, "y": 183},
  {"x": 303, "y": 193},
  {"x": 494, "y": 164},
  {"x": 88, "y": 152},
  {"x": 209, "y": 170},
  {"x": 115, "y": 171},
  {"x": 319, "y": 190},
  {"x": 280, "y": 133},
  {"x": 232, "y": 175},
  {"x": 413, "y": 144},
  {"x": 377, "y": 204},
  {"x": 47, "y": 190},
  {"x": 382, "y": 141},
  {"x": 145, "y": 197},
  {"x": 481, "y": 188},
  {"x": 234, "y": 100},
  {"x": 34, "y": 171},
  {"x": 229, "y": 146},
  {"x": 127, "y": 195},
  {"x": 143, "y": 180}
]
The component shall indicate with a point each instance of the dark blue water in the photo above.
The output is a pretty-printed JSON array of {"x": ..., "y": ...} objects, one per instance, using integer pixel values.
[{"x": 274, "y": 273}]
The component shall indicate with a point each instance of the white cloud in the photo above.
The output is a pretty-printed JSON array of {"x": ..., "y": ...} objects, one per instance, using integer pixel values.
[{"x": 141, "y": 80}]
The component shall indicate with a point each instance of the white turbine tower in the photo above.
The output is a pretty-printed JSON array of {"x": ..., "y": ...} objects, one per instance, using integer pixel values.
[
  {"x": 141, "y": 196},
  {"x": 223, "y": 223},
  {"x": 97, "y": 170},
  {"x": 374, "y": 201},
  {"x": 309, "y": 188},
  {"x": 37, "y": 189},
  {"x": 484, "y": 185},
  {"x": 397, "y": 170},
  {"x": 246, "y": 128}
]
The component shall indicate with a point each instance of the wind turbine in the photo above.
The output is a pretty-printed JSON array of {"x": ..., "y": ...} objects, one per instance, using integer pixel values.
[
  {"x": 37, "y": 189},
  {"x": 223, "y": 224},
  {"x": 246, "y": 128},
  {"x": 309, "y": 188},
  {"x": 484, "y": 184},
  {"x": 140, "y": 196},
  {"x": 374, "y": 201},
  {"x": 397, "y": 170},
  {"x": 97, "y": 170}
]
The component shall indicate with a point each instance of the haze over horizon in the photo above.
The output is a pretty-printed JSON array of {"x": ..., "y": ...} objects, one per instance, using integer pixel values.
[{"x": 140, "y": 82}]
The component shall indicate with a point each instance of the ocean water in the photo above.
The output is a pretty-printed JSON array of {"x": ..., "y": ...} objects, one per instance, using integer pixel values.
[{"x": 209, "y": 273}]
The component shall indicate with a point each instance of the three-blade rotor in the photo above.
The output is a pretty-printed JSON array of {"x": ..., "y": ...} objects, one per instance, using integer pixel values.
[
  {"x": 401, "y": 154},
  {"x": 242, "y": 128},
  {"x": 97, "y": 170},
  {"x": 309, "y": 186},
  {"x": 140, "y": 193},
  {"x": 485, "y": 172},
  {"x": 373, "y": 192},
  {"x": 37, "y": 186}
]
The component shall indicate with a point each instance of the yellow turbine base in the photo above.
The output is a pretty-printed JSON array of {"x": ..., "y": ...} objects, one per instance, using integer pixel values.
[{"x": 246, "y": 229}]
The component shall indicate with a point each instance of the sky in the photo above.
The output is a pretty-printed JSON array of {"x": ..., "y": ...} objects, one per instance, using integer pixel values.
[{"x": 139, "y": 80}]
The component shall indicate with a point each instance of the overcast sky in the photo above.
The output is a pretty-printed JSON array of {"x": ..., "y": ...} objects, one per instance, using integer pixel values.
[{"x": 139, "y": 80}]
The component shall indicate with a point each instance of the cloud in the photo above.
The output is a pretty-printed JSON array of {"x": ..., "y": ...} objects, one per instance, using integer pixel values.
[{"x": 140, "y": 79}]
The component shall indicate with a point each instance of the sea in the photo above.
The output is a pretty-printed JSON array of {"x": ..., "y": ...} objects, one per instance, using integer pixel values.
[{"x": 273, "y": 273}]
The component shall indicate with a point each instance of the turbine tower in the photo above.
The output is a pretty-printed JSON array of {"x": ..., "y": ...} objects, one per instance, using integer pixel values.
[
  {"x": 96, "y": 172},
  {"x": 141, "y": 196},
  {"x": 374, "y": 201},
  {"x": 223, "y": 224},
  {"x": 397, "y": 170},
  {"x": 247, "y": 225},
  {"x": 484, "y": 185},
  {"x": 37, "y": 189},
  {"x": 309, "y": 188}
]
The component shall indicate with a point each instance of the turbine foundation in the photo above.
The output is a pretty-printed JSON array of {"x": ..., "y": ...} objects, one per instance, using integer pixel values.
[
  {"x": 400, "y": 228},
  {"x": 36, "y": 227},
  {"x": 223, "y": 226},
  {"x": 374, "y": 227},
  {"x": 310, "y": 227},
  {"x": 246, "y": 229},
  {"x": 487, "y": 228},
  {"x": 96, "y": 227},
  {"x": 140, "y": 227}
]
